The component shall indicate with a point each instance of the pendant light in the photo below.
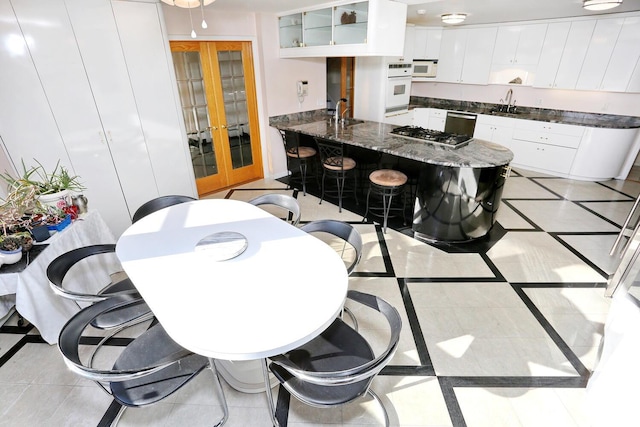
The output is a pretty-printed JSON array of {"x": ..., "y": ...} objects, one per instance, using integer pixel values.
[
  {"x": 190, "y": 4},
  {"x": 600, "y": 4}
]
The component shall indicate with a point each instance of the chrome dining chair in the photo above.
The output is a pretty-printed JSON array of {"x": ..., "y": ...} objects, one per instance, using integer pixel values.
[
  {"x": 283, "y": 201},
  {"x": 342, "y": 230},
  {"x": 347, "y": 235},
  {"x": 338, "y": 366},
  {"x": 59, "y": 268},
  {"x": 150, "y": 368},
  {"x": 159, "y": 203}
]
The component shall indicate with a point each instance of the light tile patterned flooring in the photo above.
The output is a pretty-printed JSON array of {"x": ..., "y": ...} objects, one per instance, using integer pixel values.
[{"x": 503, "y": 335}]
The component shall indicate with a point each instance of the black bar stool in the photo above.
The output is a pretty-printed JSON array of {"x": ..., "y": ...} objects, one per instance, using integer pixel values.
[
  {"x": 298, "y": 157},
  {"x": 386, "y": 183},
  {"x": 336, "y": 165}
]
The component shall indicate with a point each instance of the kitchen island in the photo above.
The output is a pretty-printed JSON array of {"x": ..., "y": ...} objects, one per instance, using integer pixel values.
[{"x": 459, "y": 189}]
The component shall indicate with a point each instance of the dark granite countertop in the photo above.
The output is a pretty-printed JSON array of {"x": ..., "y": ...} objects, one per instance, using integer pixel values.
[
  {"x": 376, "y": 136},
  {"x": 529, "y": 113}
]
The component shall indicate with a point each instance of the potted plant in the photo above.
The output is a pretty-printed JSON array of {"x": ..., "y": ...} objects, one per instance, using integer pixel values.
[{"x": 50, "y": 187}]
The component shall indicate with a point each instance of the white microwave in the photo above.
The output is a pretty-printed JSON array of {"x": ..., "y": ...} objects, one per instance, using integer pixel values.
[{"x": 425, "y": 67}]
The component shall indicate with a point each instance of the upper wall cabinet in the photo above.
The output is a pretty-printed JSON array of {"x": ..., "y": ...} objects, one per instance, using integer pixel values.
[
  {"x": 517, "y": 52},
  {"x": 565, "y": 75},
  {"x": 599, "y": 53},
  {"x": 623, "y": 70},
  {"x": 366, "y": 28},
  {"x": 426, "y": 43},
  {"x": 519, "y": 44},
  {"x": 464, "y": 57}
]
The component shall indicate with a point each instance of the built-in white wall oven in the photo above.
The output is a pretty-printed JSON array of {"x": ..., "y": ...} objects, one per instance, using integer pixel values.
[{"x": 398, "y": 87}]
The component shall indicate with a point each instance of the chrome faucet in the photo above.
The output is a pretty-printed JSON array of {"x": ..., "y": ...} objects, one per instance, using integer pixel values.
[
  {"x": 337, "y": 113},
  {"x": 508, "y": 99}
]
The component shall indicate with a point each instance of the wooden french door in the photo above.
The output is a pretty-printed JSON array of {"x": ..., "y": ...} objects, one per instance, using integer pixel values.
[{"x": 218, "y": 96}]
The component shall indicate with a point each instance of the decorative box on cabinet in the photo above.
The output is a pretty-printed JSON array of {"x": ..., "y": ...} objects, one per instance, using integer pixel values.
[{"x": 373, "y": 27}]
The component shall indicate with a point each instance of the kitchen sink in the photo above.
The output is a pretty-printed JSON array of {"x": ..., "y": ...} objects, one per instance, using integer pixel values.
[{"x": 346, "y": 122}]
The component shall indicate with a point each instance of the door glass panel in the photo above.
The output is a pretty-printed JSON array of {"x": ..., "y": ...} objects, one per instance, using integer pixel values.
[
  {"x": 235, "y": 107},
  {"x": 195, "y": 111}
]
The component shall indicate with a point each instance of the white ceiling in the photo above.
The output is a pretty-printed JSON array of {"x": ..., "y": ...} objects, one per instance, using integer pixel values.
[{"x": 478, "y": 11}]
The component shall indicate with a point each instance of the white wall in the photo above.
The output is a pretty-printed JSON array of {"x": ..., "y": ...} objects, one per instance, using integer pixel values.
[
  {"x": 275, "y": 78},
  {"x": 625, "y": 104}
]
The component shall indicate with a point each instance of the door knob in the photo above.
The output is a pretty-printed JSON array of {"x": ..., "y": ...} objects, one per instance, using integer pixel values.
[
  {"x": 223, "y": 126},
  {"x": 213, "y": 127}
]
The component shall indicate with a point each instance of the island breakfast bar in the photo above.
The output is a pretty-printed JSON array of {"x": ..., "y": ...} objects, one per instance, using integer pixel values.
[{"x": 459, "y": 189}]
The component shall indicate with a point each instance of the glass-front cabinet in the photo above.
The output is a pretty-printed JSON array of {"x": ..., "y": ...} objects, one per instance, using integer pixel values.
[
  {"x": 350, "y": 23},
  {"x": 373, "y": 27}
]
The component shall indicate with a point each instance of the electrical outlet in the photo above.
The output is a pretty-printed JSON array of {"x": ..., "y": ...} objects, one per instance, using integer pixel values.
[
  {"x": 538, "y": 101},
  {"x": 605, "y": 107},
  {"x": 321, "y": 102}
]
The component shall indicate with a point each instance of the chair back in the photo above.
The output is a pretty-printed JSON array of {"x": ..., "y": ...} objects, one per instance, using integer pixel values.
[
  {"x": 58, "y": 268},
  {"x": 363, "y": 373},
  {"x": 283, "y": 201},
  {"x": 150, "y": 368},
  {"x": 341, "y": 230},
  {"x": 291, "y": 142},
  {"x": 159, "y": 203},
  {"x": 332, "y": 155}
]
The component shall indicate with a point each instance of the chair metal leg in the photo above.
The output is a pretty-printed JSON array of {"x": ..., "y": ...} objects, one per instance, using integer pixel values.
[
  {"x": 340, "y": 185},
  {"x": 384, "y": 410},
  {"x": 223, "y": 399},
  {"x": 116, "y": 420},
  {"x": 303, "y": 173},
  {"x": 322, "y": 192},
  {"x": 267, "y": 386}
]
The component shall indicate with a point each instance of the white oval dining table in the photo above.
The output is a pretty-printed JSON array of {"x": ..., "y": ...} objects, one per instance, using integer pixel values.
[{"x": 279, "y": 292}]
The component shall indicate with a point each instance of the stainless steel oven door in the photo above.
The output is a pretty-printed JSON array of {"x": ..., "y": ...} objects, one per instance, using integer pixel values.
[
  {"x": 460, "y": 123},
  {"x": 398, "y": 93}
]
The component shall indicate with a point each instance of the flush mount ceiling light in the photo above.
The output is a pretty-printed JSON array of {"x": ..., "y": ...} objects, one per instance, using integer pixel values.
[
  {"x": 190, "y": 4},
  {"x": 600, "y": 4},
  {"x": 454, "y": 18}
]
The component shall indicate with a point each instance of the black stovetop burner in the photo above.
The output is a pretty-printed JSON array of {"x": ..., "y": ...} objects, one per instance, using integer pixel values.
[{"x": 432, "y": 136}]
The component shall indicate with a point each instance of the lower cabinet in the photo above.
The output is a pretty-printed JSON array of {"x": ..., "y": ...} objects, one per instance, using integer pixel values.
[
  {"x": 544, "y": 157},
  {"x": 495, "y": 129}
]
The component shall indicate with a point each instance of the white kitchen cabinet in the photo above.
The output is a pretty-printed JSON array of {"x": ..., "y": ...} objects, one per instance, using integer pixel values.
[
  {"x": 404, "y": 118},
  {"x": 28, "y": 128},
  {"x": 465, "y": 55},
  {"x": 551, "y": 55},
  {"x": 426, "y": 43},
  {"x": 599, "y": 53},
  {"x": 625, "y": 56},
  {"x": 494, "y": 129},
  {"x": 573, "y": 55},
  {"x": 519, "y": 44},
  {"x": 437, "y": 119},
  {"x": 421, "y": 117},
  {"x": 606, "y": 153},
  {"x": 545, "y": 146},
  {"x": 99, "y": 122},
  {"x": 542, "y": 157},
  {"x": 361, "y": 28}
]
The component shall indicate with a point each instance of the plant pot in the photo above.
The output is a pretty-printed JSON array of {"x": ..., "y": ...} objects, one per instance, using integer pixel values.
[
  {"x": 10, "y": 257},
  {"x": 55, "y": 199}
]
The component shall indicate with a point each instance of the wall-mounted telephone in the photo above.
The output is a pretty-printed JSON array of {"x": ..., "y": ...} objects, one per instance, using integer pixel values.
[{"x": 303, "y": 88}]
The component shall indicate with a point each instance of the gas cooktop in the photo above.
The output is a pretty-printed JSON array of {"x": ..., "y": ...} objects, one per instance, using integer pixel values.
[{"x": 432, "y": 136}]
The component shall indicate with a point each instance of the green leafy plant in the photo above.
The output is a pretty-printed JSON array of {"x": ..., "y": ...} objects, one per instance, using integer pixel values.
[{"x": 44, "y": 182}]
